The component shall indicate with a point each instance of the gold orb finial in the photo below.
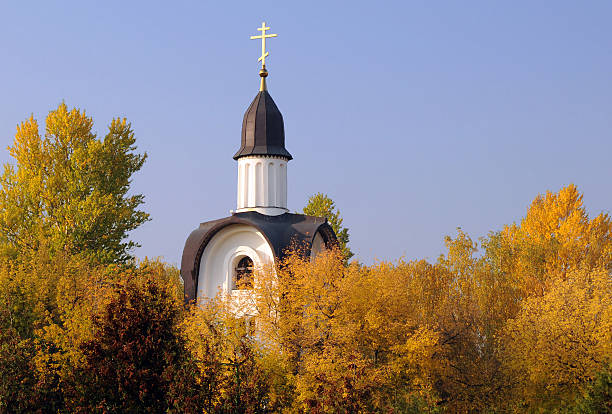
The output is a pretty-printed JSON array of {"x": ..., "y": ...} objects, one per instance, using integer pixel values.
[{"x": 264, "y": 74}]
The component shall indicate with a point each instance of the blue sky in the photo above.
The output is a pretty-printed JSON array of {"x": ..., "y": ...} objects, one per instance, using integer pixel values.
[{"x": 415, "y": 117}]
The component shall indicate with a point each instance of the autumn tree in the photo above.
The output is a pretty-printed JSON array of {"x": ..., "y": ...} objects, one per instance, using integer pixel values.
[
  {"x": 351, "y": 343},
  {"x": 498, "y": 300},
  {"x": 48, "y": 308},
  {"x": 43, "y": 301},
  {"x": 234, "y": 370},
  {"x": 70, "y": 188},
  {"x": 555, "y": 237},
  {"x": 520, "y": 323},
  {"x": 130, "y": 362},
  {"x": 320, "y": 205},
  {"x": 559, "y": 341},
  {"x": 520, "y": 273},
  {"x": 474, "y": 303},
  {"x": 64, "y": 206},
  {"x": 18, "y": 384}
]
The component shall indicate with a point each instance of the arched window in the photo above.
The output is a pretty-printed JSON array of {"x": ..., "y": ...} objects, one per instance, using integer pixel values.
[{"x": 244, "y": 273}]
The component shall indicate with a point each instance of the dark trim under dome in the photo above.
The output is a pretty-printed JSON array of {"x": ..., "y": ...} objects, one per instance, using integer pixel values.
[{"x": 263, "y": 129}]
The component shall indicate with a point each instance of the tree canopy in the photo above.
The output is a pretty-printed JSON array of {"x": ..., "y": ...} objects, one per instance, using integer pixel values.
[
  {"x": 69, "y": 189},
  {"x": 520, "y": 322}
]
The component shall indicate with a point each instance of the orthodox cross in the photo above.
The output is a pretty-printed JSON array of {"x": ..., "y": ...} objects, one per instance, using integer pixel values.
[{"x": 263, "y": 36}]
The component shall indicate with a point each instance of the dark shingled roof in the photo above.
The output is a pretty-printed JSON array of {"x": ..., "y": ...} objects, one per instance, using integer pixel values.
[
  {"x": 280, "y": 232},
  {"x": 263, "y": 130}
]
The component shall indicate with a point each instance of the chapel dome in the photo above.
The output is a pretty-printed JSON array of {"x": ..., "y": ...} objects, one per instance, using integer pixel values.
[{"x": 263, "y": 131}]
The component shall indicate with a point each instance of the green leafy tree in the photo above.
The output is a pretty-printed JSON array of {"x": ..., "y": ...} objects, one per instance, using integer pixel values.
[
  {"x": 321, "y": 205},
  {"x": 70, "y": 188},
  {"x": 598, "y": 396}
]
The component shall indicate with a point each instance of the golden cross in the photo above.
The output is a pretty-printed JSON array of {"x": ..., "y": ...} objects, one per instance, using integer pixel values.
[{"x": 263, "y": 36}]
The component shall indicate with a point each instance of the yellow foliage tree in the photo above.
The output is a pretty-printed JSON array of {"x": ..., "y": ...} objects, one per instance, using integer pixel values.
[
  {"x": 48, "y": 303},
  {"x": 469, "y": 308},
  {"x": 234, "y": 371},
  {"x": 555, "y": 237},
  {"x": 559, "y": 341},
  {"x": 352, "y": 342},
  {"x": 70, "y": 189}
]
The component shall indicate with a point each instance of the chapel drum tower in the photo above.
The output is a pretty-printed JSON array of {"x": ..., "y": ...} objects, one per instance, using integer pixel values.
[{"x": 221, "y": 255}]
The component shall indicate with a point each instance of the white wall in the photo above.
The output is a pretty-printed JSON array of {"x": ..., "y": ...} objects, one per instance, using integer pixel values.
[
  {"x": 223, "y": 252},
  {"x": 262, "y": 185}
]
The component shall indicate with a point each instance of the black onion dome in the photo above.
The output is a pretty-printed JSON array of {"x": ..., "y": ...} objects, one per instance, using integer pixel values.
[{"x": 263, "y": 130}]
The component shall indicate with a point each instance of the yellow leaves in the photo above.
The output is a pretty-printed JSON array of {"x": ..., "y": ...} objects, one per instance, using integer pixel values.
[
  {"x": 233, "y": 364},
  {"x": 27, "y": 146},
  {"x": 311, "y": 295},
  {"x": 555, "y": 236},
  {"x": 418, "y": 347},
  {"x": 558, "y": 341},
  {"x": 415, "y": 360},
  {"x": 66, "y": 129},
  {"x": 555, "y": 215},
  {"x": 355, "y": 335},
  {"x": 525, "y": 325},
  {"x": 337, "y": 379},
  {"x": 526, "y": 306}
]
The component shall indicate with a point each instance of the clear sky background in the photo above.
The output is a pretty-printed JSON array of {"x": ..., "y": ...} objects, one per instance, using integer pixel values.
[{"x": 415, "y": 117}]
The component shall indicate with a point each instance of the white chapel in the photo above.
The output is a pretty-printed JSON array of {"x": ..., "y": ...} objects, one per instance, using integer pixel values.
[{"x": 221, "y": 255}]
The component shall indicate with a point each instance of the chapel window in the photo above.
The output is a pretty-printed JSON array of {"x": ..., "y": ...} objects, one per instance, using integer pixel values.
[{"x": 244, "y": 273}]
